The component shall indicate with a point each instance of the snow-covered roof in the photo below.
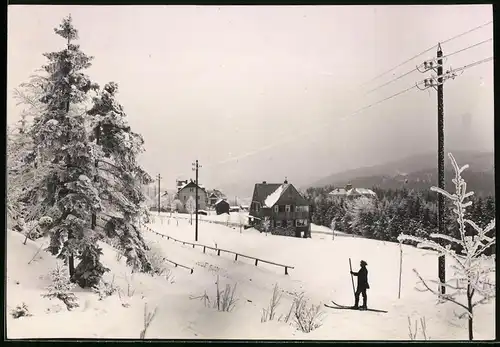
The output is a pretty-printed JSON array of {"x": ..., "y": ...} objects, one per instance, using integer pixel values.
[
  {"x": 234, "y": 207},
  {"x": 362, "y": 191},
  {"x": 219, "y": 201},
  {"x": 189, "y": 183},
  {"x": 338, "y": 191},
  {"x": 274, "y": 196},
  {"x": 352, "y": 191}
]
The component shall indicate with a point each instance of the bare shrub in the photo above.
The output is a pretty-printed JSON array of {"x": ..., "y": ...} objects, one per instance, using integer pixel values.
[
  {"x": 105, "y": 289},
  {"x": 269, "y": 313},
  {"x": 20, "y": 311},
  {"x": 412, "y": 332},
  {"x": 204, "y": 298},
  {"x": 148, "y": 318},
  {"x": 306, "y": 318},
  {"x": 155, "y": 256},
  {"x": 225, "y": 300}
]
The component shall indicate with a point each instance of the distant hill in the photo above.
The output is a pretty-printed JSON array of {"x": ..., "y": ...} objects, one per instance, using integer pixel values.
[{"x": 420, "y": 173}]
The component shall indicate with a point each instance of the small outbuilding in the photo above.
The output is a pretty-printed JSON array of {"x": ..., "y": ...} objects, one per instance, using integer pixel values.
[{"x": 221, "y": 206}]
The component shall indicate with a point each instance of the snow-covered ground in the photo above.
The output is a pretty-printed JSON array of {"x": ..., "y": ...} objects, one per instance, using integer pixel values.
[{"x": 321, "y": 271}]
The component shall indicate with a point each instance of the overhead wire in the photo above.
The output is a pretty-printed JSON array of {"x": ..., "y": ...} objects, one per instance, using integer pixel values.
[
  {"x": 425, "y": 51},
  {"x": 415, "y": 69},
  {"x": 380, "y": 86}
]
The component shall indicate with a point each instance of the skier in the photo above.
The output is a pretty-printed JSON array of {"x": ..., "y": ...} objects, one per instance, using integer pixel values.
[{"x": 363, "y": 285}]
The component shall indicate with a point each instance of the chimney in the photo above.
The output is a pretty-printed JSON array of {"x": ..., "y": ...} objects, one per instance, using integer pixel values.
[
  {"x": 348, "y": 186},
  {"x": 286, "y": 181},
  {"x": 264, "y": 182}
]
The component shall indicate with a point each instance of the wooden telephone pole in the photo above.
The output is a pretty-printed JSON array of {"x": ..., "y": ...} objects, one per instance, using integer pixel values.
[
  {"x": 437, "y": 83},
  {"x": 196, "y": 166},
  {"x": 158, "y": 177}
]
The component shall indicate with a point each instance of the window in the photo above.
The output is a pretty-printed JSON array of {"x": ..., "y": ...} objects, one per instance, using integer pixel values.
[
  {"x": 289, "y": 223},
  {"x": 302, "y": 208},
  {"x": 185, "y": 197},
  {"x": 301, "y": 222},
  {"x": 287, "y": 208},
  {"x": 277, "y": 223},
  {"x": 191, "y": 190},
  {"x": 281, "y": 208},
  {"x": 276, "y": 208},
  {"x": 198, "y": 197}
]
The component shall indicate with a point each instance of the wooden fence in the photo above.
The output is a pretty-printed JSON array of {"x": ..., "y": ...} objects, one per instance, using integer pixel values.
[
  {"x": 164, "y": 259},
  {"x": 219, "y": 250},
  {"x": 201, "y": 219}
]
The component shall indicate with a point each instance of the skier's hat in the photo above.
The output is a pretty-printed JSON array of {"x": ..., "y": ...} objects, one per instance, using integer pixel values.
[{"x": 363, "y": 262}]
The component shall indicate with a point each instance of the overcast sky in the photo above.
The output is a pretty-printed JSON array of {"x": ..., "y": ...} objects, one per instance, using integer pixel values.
[{"x": 255, "y": 93}]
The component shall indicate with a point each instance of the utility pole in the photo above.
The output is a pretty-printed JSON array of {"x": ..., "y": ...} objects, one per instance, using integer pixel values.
[
  {"x": 196, "y": 166},
  {"x": 437, "y": 83},
  {"x": 441, "y": 181},
  {"x": 158, "y": 177}
]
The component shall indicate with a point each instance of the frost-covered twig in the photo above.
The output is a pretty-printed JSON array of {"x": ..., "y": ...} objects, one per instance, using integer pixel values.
[
  {"x": 148, "y": 318},
  {"x": 472, "y": 270}
]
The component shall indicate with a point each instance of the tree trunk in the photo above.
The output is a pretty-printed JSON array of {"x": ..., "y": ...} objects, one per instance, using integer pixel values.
[
  {"x": 470, "y": 293},
  {"x": 93, "y": 222},
  {"x": 71, "y": 265}
]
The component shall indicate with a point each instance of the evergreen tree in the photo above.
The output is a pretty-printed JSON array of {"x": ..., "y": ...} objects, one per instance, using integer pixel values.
[
  {"x": 60, "y": 143},
  {"x": 118, "y": 175}
]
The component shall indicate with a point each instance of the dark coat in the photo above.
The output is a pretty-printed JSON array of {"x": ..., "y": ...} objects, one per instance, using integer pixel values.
[{"x": 362, "y": 275}]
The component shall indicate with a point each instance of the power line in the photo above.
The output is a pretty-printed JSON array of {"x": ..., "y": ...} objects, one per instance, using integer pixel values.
[
  {"x": 380, "y": 101},
  {"x": 403, "y": 63},
  {"x": 427, "y": 50},
  {"x": 281, "y": 142},
  {"x": 429, "y": 82},
  {"x": 469, "y": 47},
  {"x": 391, "y": 81},
  {"x": 467, "y": 32},
  {"x": 415, "y": 69}
]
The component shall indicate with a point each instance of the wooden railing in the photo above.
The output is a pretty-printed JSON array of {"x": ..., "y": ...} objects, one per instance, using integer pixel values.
[
  {"x": 164, "y": 259},
  {"x": 201, "y": 219},
  {"x": 219, "y": 250}
]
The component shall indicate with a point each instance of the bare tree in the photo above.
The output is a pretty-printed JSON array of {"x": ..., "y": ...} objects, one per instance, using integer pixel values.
[
  {"x": 191, "y": 208},
  {"x": 473, "y": 269}
]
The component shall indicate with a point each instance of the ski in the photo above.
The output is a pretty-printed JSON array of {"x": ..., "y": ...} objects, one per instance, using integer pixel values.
[{"x": 343, "y": 307}]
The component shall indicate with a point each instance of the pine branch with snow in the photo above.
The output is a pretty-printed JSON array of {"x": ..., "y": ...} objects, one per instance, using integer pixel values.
[
  {"x": 118, "y": 175},
  {"x": 473, "y": 269}
]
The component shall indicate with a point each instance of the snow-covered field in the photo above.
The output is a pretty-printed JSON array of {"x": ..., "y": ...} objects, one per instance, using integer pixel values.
[{"x": 321, "y": 271}]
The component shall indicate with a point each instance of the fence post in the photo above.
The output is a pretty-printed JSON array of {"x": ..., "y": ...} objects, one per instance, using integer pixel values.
[
  {"x": 256, "y": 261},
  {"x": 236, "y": 257},
  {"x": 204, "y": 249},
  {"x": 286, "y": 270},
  {"x": 218, "y": 252}
]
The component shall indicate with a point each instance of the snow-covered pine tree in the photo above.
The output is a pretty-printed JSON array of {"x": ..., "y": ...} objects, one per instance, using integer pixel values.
[
  {"x": 18, "y": 144},
  {"x": 473, "y": 268},
  {"x": 119, "y": 177},
  {"x": 64, "y": 159}
]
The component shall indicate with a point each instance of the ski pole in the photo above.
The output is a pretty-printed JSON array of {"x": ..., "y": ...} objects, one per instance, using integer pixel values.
[{"x": 352, "y": 278}]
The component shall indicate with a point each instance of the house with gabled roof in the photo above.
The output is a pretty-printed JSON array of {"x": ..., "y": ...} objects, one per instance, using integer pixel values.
[
  {"x": 282, "y": 205},
  {"x": 214, "y": 196},
  {"x": 187, "y": 190},
  {"x": 350, "y": 192}
]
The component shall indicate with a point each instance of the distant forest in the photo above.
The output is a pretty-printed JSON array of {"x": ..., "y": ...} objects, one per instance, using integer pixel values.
[{"x": 394, "y": 211}]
